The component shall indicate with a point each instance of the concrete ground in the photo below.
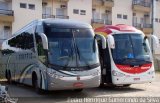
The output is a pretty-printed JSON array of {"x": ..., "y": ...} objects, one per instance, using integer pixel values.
[{"x": 26, "y": 94}]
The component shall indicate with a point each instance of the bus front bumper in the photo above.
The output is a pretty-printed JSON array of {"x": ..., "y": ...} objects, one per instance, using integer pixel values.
[
  {"x": 137, "y": 79},
  {"x": 66, "y": 83}
]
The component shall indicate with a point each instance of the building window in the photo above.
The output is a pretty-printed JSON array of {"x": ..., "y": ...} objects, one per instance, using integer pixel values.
[
  {"x": 63, "y": 6},
  {"x": 134, "y": 14},
  {"x": 23, "y": 5},
  {"x": 156, "y": 19},
  {"x": 75, "y": 11},
  {"x": 124, "y": 16},
  {"x": 7, "y": 27},
  {"x": 31, "y": 6},
  {"x": 83, "y": 12},
  {"x": 93, "y": 9},
  {"x": 119, "y": 16}
]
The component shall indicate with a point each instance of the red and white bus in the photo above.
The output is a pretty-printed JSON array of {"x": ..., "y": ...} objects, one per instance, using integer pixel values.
[{"x": 128, "y": 58}]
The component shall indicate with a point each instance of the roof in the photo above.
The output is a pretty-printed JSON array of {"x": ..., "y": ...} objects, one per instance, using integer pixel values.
[
  {"x": 117, "y": 28},
  {"x": 66, "y": 23}
]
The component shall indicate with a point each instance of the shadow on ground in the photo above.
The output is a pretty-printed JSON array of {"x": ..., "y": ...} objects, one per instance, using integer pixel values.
[{"x": 26, "y": 93}]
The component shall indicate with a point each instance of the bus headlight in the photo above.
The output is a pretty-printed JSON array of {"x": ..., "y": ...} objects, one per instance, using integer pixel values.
[
  {"x": 118, "y": 74},
  {"x": 96, "y": 73},
  {"x": 54, "y": 74},
  {"x": 151, "y": 72},
  {"x": 51, "y": 74}
]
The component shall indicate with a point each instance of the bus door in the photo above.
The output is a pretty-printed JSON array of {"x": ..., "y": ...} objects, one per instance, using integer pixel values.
[{"x": 105, "y": 64}]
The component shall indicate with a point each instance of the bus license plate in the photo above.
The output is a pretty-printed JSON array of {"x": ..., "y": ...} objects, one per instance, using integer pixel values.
[
  {"x": 136, "y": 79},
  {"x": 78, "y": 84}
]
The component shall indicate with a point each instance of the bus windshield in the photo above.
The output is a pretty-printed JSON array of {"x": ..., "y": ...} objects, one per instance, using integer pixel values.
[
  {"x": 72, "y": 47},
  {"x": 131, "y": 49}
]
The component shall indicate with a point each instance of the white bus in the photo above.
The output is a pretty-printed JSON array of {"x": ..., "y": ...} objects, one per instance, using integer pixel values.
[
  {"x": 128, "y": 58},
  {"x": 53, "y": 54}
]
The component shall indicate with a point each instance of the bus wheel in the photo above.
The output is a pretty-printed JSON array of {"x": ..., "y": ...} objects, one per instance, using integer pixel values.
[
  {"x": 102, "y": 82},
  {"x": 78, "y": 90},
  {"x": 35, "y": 83},
  {"x": 126, "y": 85},
  {"x": 8, "y": 76},
  {"x": 101, "y": 85}
]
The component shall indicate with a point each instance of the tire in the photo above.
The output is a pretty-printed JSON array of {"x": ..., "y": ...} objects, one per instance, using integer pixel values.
[
  {"x": 102, "y": 85},
  {"x": 127, "y": 85},
  {"x": 101, "y": 82},
  {"x": 37, "y": 89},
  {"x": 8, "y": 76},
  {"x": 78, "y": 90},
  {"x": 35, "y": 85}
]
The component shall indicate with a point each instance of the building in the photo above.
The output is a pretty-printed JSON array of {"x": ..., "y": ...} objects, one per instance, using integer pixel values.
[{"x": 16, "y": 13}]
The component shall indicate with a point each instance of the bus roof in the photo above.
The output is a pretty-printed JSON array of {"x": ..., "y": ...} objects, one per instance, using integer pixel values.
[
  {"x": 120, "y": 28},
  {"x": 66, "y": 23}
]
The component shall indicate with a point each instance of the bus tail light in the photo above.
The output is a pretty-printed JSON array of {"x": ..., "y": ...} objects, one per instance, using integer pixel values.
[{"x": 118, "y": 74}]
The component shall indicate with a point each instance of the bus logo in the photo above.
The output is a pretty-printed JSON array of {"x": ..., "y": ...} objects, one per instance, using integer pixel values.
[{"x": 78, "y": 78}]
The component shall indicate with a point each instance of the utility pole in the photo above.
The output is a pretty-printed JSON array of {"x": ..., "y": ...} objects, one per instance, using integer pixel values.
[
  {"x": 153, "y": 16},
  {"x": 153, "y": 21}
]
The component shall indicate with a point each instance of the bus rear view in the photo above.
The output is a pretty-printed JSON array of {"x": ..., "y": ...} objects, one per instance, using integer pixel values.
[{"x": 128, "y": 58}]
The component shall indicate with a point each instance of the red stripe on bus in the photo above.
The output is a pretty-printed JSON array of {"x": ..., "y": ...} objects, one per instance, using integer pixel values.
[{"x": 134, "y": 70}]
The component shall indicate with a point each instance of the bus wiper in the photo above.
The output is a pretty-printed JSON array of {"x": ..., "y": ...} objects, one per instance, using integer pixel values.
[
  {"x": 126, "y": 59},
  {"x": 70, "y": 57},
  {"x": 65, "y": 67},
  {"x": 143, "y": 60},
  {"x": 133, "y": 60},
  {"x": 79, "y": 55},
  {"x": 78, "y": 52}
]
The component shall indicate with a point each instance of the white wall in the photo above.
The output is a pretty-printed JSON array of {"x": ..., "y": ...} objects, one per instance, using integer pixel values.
[
  {"x": 24, "y": 16},
  {"x": 122, "y": 7},
  {"x": 81, "y": 5},
  {"x": 157, "y": 24}
]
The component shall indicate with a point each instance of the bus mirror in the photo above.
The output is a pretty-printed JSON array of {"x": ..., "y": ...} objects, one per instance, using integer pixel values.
[
  {"x": 103, "y": 40},
  {"x": 111, "y": 41},
  {"x": 155, "y": 41},
  {"x": 44, "y": 41}
]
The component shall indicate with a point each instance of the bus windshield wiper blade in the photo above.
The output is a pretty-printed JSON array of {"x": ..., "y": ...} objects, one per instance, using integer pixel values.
[
  {"x": 69, "y": 59},
  {"x": 143, "y": 60},
  {"x": 79, "y": 55},
  {"x": 133, "y": 61}
]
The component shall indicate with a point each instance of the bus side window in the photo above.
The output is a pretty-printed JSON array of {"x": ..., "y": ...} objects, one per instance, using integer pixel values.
[
  {"x": 41, "y": 52},
  {"x": 7, "y": 52}
]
